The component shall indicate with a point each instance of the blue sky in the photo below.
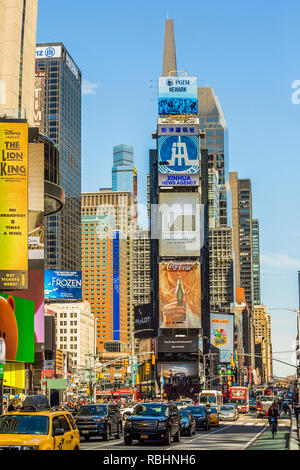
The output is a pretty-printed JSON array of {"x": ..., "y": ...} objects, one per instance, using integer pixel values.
[{"x": 249, "y": 53}]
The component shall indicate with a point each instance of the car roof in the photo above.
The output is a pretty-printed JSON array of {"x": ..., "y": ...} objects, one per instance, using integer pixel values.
[{"x": 48, "y": 413}]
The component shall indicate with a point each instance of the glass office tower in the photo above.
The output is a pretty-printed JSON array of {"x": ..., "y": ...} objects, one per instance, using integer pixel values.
[
  {"x": 123, "y": 171},
  {"x": 63, "y": 125}
]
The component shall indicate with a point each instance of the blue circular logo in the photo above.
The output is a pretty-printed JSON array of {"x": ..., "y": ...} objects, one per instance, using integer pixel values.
[
  {"x": 50, "y": 52},
  {"x": 170, "y": 82}
]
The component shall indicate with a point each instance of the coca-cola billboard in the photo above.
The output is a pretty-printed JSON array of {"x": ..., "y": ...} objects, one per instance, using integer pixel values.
[{"x": 179, "y": 295}]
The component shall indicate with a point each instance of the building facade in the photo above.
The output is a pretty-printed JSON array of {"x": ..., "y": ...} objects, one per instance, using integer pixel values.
[
  {"x": 75, "y": 332},
  {"x": 141, "y": 267},
  {"x": 18, "y": 21},
  {"x": 62, "y": 124},
  {"x": 124, "y": 175},
  {"x": 256, "y": 262},
  {"x": 263, "y": 336}
]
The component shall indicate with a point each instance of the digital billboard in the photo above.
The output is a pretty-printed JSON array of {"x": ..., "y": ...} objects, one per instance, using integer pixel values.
[
  {"x": 17, "y": 323},
  {"x": 178, "y": 180},
  {"x": 177, "y": 95},
  {"x": 174, "y": 373},
  {"x": 179, "y": 295},
  {"x": 178, "y": 344},
  {"x": 13, "y": 205},
  {"x": 180, "y": 224},
  {"x": 222, "y": 334},
  {"x": 65, "y": 285},
  {"x": 142, "y": 320},
  {"x": 178, "y": 154}
]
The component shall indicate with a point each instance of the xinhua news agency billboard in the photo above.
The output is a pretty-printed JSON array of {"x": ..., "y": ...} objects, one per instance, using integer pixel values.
[
  {"x": 177, "y": 95},
  {"x": 222, "y": 334},
  {"x": 13, "y": 205},
  {"x": 64, "y": 285}
]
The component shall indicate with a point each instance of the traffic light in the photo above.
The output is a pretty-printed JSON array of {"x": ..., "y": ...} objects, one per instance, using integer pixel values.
[
  {"x": 153, "y": 359},
  {"x": 137, "y": 379},
  {"x": 229, "y": 371},
  {"x": 126, "y": 363},
  {"x": 147, "y": 369},
  {"x": 232, "y": 361},
  {"x": 220, "y": 370}
]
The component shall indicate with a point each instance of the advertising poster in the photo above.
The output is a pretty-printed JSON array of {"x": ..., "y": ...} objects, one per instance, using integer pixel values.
[
  {"x": 177, "y": 95},
  {"x": 178, "y": 180},
  {"x": 13, "y": 205},
  {"x": 179, "y": 295},
  {"x": 64, "y": 285},
  {"x": 221, "y": 330},
  {"x": 36, "y": 177},
  {"x": 173, "y": 373},
  {"x": 142, "y": 320},
  {"x": 35, "y": 293},
  {"x": 180, "y": 224},
  {"x": 17, "y": 321},
  {"x": 116, "y": 286},
  {"x": 178, "y": 155},
  {"x": 174, "y": 344}
]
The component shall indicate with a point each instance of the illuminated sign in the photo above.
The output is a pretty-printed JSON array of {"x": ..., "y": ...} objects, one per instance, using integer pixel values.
[
  {"x": 48, "y": 52},
  {"x": 177, "y": 95},
  {"x": 221, "y": 329},
  {"x": 179, "y": 295},
  {"x": 178, "y": 154},
  {"x": 63, "y": 285},
  {"x": 178, "y": 129},
  {"x": 13, "y": 205}
]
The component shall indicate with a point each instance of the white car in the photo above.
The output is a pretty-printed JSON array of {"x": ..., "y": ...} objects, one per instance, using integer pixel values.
[{"x": 229, "y": 411}]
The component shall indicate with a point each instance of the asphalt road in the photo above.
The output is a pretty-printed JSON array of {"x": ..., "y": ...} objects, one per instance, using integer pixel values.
[{"x": 239, "y": 435}]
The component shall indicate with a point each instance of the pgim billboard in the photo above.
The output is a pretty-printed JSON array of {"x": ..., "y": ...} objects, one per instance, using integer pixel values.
[
  {"x": 13, "y": 205},
  {"x": 222, "y": 334},
  {"x": 180, "y": 222},
  {"x": 177, "y": 95},
  {"x": 179, "y": 295}
]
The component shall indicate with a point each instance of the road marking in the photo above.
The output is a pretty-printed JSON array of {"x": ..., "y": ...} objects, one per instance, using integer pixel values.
[
  {"x": 254, "y": 438},
  {"x": 201, "y": 437},
  {"x": 103, "y": 445}
]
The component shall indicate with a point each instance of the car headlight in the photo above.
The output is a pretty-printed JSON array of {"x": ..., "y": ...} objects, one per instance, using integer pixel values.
[{"x": 162, "y": 424}]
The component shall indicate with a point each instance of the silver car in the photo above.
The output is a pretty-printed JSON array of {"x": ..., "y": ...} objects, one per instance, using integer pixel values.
[{"x": 229, "y": 411}]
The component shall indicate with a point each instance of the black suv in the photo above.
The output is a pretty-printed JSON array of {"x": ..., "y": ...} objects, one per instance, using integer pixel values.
[
  {"x": 99, "y": 420},
  {"x": 201, "y": 416},
  {"x": 153, "y": 422}
]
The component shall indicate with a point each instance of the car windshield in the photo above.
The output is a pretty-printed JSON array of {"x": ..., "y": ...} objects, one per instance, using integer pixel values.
[
  {"x": 267, "y": 398},
  {"x": 227, "y": 408},
  {"x": 24, "y": 424},
  {"x": 209, "y": 399},
  {"x": 213, "y": 410},
  {"x": 93, "y": 410},
  {"x": 196, "y": 410},
  {"x": 150, "y": 410}
]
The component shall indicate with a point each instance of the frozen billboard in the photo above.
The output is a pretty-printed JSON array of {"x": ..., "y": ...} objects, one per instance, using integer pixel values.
[
  {"x": 180, "y": 224},
  {"x": 64, "y": 285},
  {"x": 177, "y": 95},
  {"x": 222, "y": 334},
  {"x": 179, "y": 295}
]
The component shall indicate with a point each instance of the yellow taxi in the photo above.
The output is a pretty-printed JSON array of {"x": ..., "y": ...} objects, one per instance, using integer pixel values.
[
  {"x": 214, "y": 416},
  {"x": 35, "y": 428}
]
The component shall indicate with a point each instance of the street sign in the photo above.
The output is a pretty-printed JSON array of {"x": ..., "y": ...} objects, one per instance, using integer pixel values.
[{"x": 1, "y": 371}]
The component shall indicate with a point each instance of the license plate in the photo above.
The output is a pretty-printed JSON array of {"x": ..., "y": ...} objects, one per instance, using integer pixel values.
[
  {"x": 144, "y": 436},
  {"x": 85, "y": 432}
]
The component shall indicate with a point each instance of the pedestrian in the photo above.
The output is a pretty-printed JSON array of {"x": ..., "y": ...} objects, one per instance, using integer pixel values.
[{"x": 11, "y": 407}]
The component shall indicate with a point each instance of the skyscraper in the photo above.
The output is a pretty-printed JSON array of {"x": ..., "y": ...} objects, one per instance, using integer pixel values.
[
  {"x": 215, "y": 140},
  {"x": 123, "y": 171},
  {"x": 63, "y": 125},
  {"x": 242, "y": 242},
  {"x": 18, "y": 20},
  {"x": 256, "y": 262}
]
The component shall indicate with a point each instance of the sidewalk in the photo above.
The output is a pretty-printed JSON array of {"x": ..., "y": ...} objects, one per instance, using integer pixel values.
[{"x": 280, "y": 442}]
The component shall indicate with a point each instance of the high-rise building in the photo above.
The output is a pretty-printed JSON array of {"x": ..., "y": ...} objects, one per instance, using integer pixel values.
[
  {"x": 18, "y": 21},
  {"x": 75, "y": 333},
  {"x": 141, "y": 267},
  {"x": 117, "y": 205},
  {"x": 262, "y": 322},
  {"x": 63, "y": 125},
  {"x": 256, "y": 262},
  {"x": 124, "y": 175},
  {"x": 213, "y": 198},
  {"x": 221, "y": 269},
  {"x": 215, "y": 139},
  {"x": 242, "y": 242}
]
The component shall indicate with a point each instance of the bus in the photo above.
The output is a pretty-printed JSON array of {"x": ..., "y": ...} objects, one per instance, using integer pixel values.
[
  {"x": 211, "y": 397},
  {"x": 240, "y": 396}
]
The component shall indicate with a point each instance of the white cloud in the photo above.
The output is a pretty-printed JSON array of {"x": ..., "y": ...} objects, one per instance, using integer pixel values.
[
  {"x": 89, "y": 88},
  {"x": 280, "y": 261}
]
